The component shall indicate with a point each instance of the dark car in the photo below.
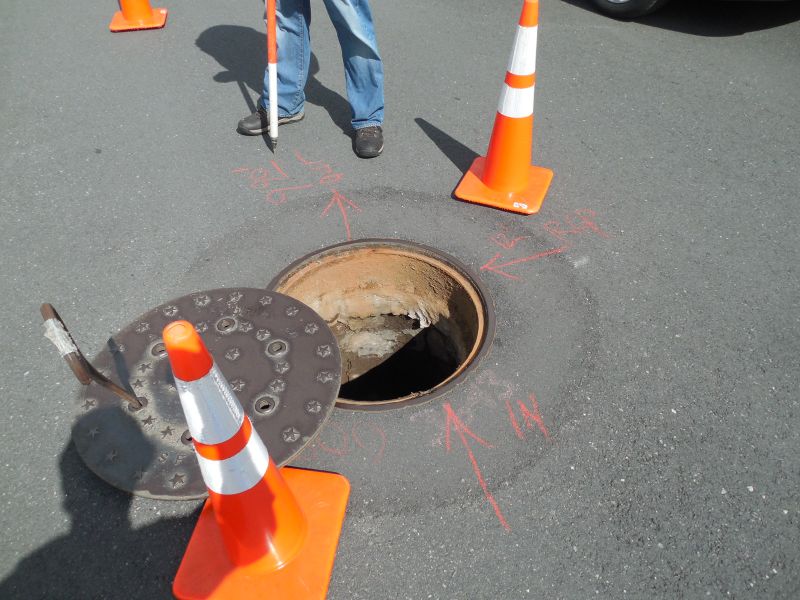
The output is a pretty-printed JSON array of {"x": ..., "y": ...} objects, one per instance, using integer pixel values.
[{"x": 628, "y": 9}]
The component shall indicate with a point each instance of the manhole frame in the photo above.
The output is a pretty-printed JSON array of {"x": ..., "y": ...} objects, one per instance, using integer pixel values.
[{"x": 439, "y": 259}]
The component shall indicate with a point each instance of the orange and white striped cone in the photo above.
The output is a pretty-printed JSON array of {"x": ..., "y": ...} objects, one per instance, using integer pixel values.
[
  {"x": 137, "y": 14},
  {"x": 264, "y": 532},
  {"x": 505, "y": 178}
]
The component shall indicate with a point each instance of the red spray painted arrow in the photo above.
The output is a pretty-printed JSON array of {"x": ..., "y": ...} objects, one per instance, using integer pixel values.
[
  {"x": 343, "y": 203},
  {"x": 463, "y": 431},
  {"x": 491, "y": 266}
]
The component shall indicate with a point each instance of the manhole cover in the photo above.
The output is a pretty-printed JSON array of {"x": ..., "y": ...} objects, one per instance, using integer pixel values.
[
  {"x": 277, "y": 354},
  {"x": 410, "y": 320}
]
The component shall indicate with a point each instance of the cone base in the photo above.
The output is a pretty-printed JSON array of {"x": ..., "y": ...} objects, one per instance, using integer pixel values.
[
  {"x": 156, "y": 20},
  {"x": 206, "y": 572},
  {"x": 527, "y": 201}
]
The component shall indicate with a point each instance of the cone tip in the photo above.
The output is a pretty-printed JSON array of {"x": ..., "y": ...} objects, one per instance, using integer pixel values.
[
  {"x": 530, "y": 14},
  {"x": 188, "y": 355}
]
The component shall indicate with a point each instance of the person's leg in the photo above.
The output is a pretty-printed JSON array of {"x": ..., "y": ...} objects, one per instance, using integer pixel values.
[
  {"x": 294, "y": 54},
  {"x": 362, "y": 62}
]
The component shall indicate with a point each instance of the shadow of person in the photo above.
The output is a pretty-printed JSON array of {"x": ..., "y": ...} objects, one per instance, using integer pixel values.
[
  {"x": 241, "y": 52},
  {"x": 101, "y": 556},
  {"x": 716, "y": 18}
]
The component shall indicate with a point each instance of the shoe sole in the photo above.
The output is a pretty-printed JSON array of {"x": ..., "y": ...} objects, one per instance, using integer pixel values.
[{"x": 281, "y": 121}]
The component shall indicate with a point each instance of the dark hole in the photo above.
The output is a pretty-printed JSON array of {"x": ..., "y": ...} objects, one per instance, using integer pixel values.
[
  {"x": 225, "y": 324},
  {"x": 422, "y": 363},
  {"x": 265, "y": 405},
  {"x": 142, "y": 400},
  {"x": 186, "y": 438},
  {"x": 159, "y": 349},
  {"x": 276, "y": 347}
]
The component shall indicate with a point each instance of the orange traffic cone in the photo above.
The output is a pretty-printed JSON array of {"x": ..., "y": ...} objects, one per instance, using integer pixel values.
[
  {"x": 137, "y": 14},
  {"x": 264, "y": 532},
  {"x": 505, "y": 178}
]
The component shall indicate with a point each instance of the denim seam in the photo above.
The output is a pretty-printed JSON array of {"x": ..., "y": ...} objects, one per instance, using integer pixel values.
[{"x": 300, "y": 55}]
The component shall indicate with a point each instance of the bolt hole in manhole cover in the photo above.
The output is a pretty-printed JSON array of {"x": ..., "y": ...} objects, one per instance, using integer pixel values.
[{"x": 411, "y": 322}]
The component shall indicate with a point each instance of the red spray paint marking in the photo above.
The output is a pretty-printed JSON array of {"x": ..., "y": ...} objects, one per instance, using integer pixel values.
[
  {"x": 502, "y": 240},
  {"x": 491, "y": 266},
  {"x": 261, "y": 177},
  {"x": 345, "y": 447},
  {"x": 513, "y": 418},
  {"x": 278, "y": 196},
  {"x": 461, "y": 430},
  {"x": 279, "y": 170},
  {"x": 303, "y": 160},
  {"x": 371, "y": 439},
  {"x": 328, "y": 176},
  {"x": 341, "y": 201},
  {"x": 381, "y": 436},
  {"x": 533, "y": 417},
  {"x": 575, "y": 224}
]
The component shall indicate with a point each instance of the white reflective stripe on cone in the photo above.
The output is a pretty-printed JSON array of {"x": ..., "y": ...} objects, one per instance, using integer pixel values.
[
  {"x": 210, "y": 420},
  {"x": 516, "y": 103},
  {"x": 523, "y": 55},
  {"x": 238, "y": 473}
]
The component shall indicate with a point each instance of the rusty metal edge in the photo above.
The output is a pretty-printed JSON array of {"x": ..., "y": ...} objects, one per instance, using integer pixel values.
[{"x": 490, "y": 320}]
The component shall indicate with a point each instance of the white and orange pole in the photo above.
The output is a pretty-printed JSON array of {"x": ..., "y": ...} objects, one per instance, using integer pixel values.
[
  {"x": 505, "y": 178},
  {"x": 264, "y": 530},
  {"x": 272, "y": 70}
]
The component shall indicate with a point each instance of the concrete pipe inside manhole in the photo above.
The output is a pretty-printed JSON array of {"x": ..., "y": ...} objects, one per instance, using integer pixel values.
[{"x": 410, "y": 320}]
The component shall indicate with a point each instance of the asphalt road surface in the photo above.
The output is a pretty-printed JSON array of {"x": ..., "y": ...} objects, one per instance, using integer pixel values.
[{"x": 660, "y": 343}]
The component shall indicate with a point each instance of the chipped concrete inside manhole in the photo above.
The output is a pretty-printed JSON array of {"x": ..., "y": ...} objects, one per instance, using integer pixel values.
[{"x": 410, "y": 320}]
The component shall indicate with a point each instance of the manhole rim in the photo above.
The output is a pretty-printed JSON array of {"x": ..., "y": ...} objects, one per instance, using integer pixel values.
[{"x": 456, "y": 269}]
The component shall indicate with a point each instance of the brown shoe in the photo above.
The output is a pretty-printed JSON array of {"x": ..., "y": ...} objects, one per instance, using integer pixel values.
[{"x": 369, "y": 141}]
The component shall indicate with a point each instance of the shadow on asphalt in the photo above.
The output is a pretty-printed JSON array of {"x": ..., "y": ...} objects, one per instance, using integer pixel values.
[
  {"x": 241, "y": 52},
  {"x": 101, "y": 556},
  {"x": 459, "y": 154},
  {"x": 712, "y": 18}
]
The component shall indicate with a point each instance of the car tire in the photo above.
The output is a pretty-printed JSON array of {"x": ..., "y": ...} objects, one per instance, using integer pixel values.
[{"x": 628, "y": 9}]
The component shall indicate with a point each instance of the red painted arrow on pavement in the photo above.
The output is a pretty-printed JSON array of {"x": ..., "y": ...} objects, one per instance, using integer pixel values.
[
  {"x": 491, "y": 266},
  {"x": 343, "y": 203},
  {"x": 453, "y": 422}
]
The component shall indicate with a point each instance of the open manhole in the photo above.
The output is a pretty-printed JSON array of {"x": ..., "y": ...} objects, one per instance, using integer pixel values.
[{"x": 410, "y": 320}]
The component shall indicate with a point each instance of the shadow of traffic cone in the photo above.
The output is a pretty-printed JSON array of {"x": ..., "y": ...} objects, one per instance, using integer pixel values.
[
  {"x": 504, "y": 178},
  {"x": 263, "y": 532},
  {"x": 137, "y": 14}
]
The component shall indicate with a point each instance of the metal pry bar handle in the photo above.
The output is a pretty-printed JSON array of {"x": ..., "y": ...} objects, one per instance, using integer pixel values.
[{"x": 56, "y": 331}]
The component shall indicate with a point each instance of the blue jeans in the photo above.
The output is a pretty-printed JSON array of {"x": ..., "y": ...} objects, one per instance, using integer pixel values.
[{"x": 363, "y": 68}]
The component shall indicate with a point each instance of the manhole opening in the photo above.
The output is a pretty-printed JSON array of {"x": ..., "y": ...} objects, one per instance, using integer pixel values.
[{"x": 409, "y": 320}]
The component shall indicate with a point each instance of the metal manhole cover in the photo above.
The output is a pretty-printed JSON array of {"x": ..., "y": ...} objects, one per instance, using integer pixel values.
[{"x": 278, "y": 355}]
